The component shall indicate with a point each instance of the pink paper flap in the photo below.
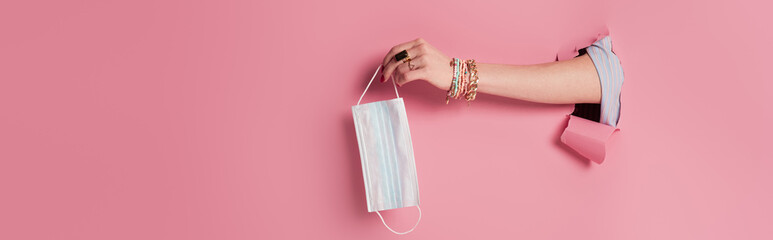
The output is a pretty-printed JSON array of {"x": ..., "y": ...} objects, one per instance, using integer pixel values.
[{"x": 587, "y": 137}]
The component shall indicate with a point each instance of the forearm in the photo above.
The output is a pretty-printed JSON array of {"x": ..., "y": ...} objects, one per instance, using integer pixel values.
[{"x": 564, "y": 82}]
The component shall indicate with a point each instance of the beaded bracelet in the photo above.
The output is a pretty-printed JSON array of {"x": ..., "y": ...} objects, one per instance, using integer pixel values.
[
  {"x": 463, "y": 80},
  {"x": 454, "y": 80},
  {"x": 461, "y": 85}
]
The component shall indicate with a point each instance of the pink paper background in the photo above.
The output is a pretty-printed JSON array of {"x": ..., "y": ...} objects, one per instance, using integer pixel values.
[{"x": 231, "y": 120}]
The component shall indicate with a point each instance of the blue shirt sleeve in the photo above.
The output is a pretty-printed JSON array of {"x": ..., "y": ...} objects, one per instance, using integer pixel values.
[{"x": 611, "y": 79}]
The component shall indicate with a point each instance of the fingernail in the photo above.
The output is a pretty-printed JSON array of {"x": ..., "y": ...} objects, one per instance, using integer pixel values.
[{"x": 382, "y": 78}]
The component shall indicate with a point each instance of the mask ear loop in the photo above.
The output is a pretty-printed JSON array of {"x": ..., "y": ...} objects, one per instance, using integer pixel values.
[
  {"x": 371, "y": 81},
  {"x": 401, "y": 233}
]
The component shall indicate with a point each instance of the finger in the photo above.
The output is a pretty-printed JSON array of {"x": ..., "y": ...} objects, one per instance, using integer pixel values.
[
  {"x": 396, "y": 49},
  {"x": 403, "y": 74},
  {"x": 410, "y": 76},
  {"x": 390, "y": 67},
  {"x": 399, "y": 47}
]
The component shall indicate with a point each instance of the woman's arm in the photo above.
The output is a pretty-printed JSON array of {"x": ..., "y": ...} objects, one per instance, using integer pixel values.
[
  {"x": 563, "y": 82},
  {"x": 569, "y": 81}
]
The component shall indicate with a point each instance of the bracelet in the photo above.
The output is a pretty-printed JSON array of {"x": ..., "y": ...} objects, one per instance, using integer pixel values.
[
  {"x": 452, "y": 91},
  {"x": 472, "y": 90},
  {"x": 461, "y": 84},
  {"x": 464, "y": 81}
]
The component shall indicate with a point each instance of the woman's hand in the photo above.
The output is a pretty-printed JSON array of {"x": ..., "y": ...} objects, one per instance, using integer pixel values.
[{"x": 428, "y": 64}]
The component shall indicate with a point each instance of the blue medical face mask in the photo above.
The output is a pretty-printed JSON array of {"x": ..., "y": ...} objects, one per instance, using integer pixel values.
[{"x": 386, "y": 152}]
